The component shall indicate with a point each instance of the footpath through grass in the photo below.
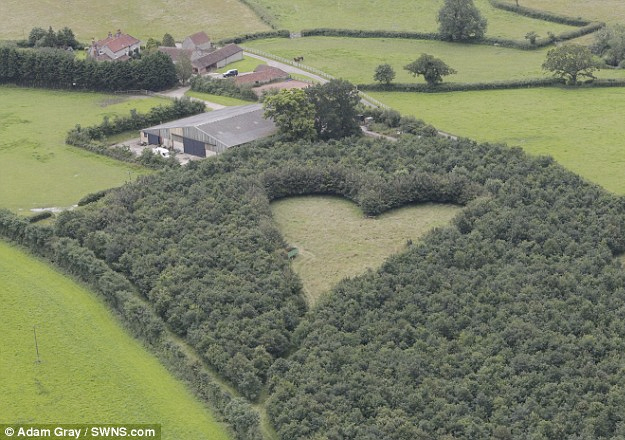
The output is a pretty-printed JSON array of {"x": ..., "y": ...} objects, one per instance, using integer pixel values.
[
  {"x": 37, "y": 169},
  {"x": 580, "y": 128},
  {"x": 91, "y": 370},
  {"x": 336, "y": 241}
]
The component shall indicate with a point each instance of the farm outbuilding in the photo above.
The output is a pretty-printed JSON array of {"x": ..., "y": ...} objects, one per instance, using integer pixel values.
[
  {"x": 212, "y": 132},
  {"x": 217, "y": 59}
]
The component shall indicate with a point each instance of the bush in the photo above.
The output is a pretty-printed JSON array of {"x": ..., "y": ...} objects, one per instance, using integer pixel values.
[
  {"x": 255, "y": 36},
  {"x": 223, "y": 87},
  {"x": 456, "y": 87}
]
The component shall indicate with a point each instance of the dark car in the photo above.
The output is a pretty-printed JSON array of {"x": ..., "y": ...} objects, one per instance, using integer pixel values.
[{"x": 231, "y": 72}]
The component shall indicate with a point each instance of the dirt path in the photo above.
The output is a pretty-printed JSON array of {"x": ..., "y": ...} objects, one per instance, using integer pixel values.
[{"x": 287, "y": 67}]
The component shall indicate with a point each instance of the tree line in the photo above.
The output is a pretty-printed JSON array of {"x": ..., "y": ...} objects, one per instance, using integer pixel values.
[{"x": 59, "y": 69}]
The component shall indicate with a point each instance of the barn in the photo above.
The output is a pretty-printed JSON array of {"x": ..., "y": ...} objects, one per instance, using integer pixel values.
[{"x": 213, "y": 132}]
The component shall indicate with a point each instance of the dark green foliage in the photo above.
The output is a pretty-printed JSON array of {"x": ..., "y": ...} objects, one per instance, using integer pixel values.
[
  {"x": 570, "y": 61},
  {"x": 610, "y": 45},
  {"x": 168, "y": 40},
  {"x": 335, "y": 109},
  {"x": 40, "y": 216},
  {"x": 255, "y": 36},
  {"x": 62, "y": 39},
  {"x": 224, "y": 87},
  {"x": 92, "y": 197},
  {"x": 433, "y": 69},
  {"x": 384, "y": 73},
  {"x": 460, "y": 20},
  {"x": 59, "y": 69},
  {"x": 506, "y": 323}
]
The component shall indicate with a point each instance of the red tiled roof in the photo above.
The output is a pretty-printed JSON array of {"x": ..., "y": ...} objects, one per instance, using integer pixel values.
[
  {"x": 199, "y": 38},
  {"x": 262, "y": 75},
  {"x": 115, "y": 44}
]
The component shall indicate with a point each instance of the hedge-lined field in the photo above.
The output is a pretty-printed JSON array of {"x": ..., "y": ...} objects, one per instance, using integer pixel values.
[
  {"x": 355, "y": 59},
  {"x": 90, "y": 369},
  {"x": 403, "y": 15},
  {"x": 336, "y": 241},
  {"x": 580, "y": 128},
  {"x": 140, "y": 18},
  {"x": 610, "y": 11},
  {"x": 37, "y": 169}
]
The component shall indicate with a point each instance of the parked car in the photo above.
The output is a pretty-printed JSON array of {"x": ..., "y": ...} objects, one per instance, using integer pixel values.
[{"x": 231, "y": 72}]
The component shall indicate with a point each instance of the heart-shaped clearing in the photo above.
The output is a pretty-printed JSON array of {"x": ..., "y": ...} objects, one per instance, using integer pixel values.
[{"x": 336, "y": 241}]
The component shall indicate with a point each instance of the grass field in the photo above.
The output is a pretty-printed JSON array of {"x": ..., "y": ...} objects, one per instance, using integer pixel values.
[
  {"x": 338, "y": 241},
  {"x": 37, "y": 169},
  {"x": 356, "y": 59},
  {"x": 413, "y": 15},
  {"x": 609, "y": 11},
  {"x": 581, "y": 128},
  {"x": 140, "y": 18},
  {"x": 91, "y": 371}
]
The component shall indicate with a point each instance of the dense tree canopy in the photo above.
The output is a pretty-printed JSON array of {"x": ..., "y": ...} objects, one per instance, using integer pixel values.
[
  {"x": 505, "y": 324},
  {"x": 384, "y": 73},
  {"x": 460, "y": 20},
  {"x": 335, "y": 109}
]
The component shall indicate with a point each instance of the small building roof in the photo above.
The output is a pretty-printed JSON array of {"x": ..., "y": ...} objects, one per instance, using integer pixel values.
[
  {"x": 230, "y": 126},
  {"x": 175, "y": 52},
  {"x": 218, "y": 55},
  {"x": 199, "y": 38},
  {"x": 261, "y": 75},
  {"x": 118, "y": 42}
]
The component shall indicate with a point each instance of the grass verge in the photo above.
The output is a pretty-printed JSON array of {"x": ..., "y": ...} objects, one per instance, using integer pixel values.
[{"x": 91, "y": 370}]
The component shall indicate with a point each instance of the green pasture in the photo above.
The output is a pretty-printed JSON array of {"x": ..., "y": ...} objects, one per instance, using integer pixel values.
[
  {"x": 609, "y": 11},
  {"x": 355, "y": 59},
  {"x": 140, "y": 18},
  {"x": 91, "y": 370},
  {"x": 217, "y": 99},
  {"x": 401, "y": 15},
  {"x": 336, "y": 241},
  {"x": 581, "y": 128},
  {"x": 247, "y": 64},
  {"x": 37, "y": 169}
]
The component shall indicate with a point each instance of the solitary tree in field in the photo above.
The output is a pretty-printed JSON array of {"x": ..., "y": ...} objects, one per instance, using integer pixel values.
[
  {"x": 461, "y": 20},
  {"x": 384, "y": 73},
  {"x": 570, "y": 61},
  {"x": 432, "y": 69}
]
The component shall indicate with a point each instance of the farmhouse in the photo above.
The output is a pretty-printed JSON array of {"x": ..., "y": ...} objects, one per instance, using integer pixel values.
[
  {"x": 115, "y": 47},
  {"x": 212, "y": 132},
  {"x": 217, "y": 59}
]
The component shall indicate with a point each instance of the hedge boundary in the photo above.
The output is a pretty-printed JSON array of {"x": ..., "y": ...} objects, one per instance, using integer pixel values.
[
  {"x": 589, "y": 28},
  {"x": 538, "y": 14},
  {"x": 502, "y": 85},
  {"x": 282, "y": 33},
  {"x": 136, "y": 316}
]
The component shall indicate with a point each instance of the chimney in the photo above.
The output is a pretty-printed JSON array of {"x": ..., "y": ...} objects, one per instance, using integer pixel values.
[
  {"x": 119, "y": 33},
  {"x": 110, "y": 34}
]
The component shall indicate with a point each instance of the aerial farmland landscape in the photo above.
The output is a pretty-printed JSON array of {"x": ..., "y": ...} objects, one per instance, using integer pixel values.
[{"x": 289, "y": 220}]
